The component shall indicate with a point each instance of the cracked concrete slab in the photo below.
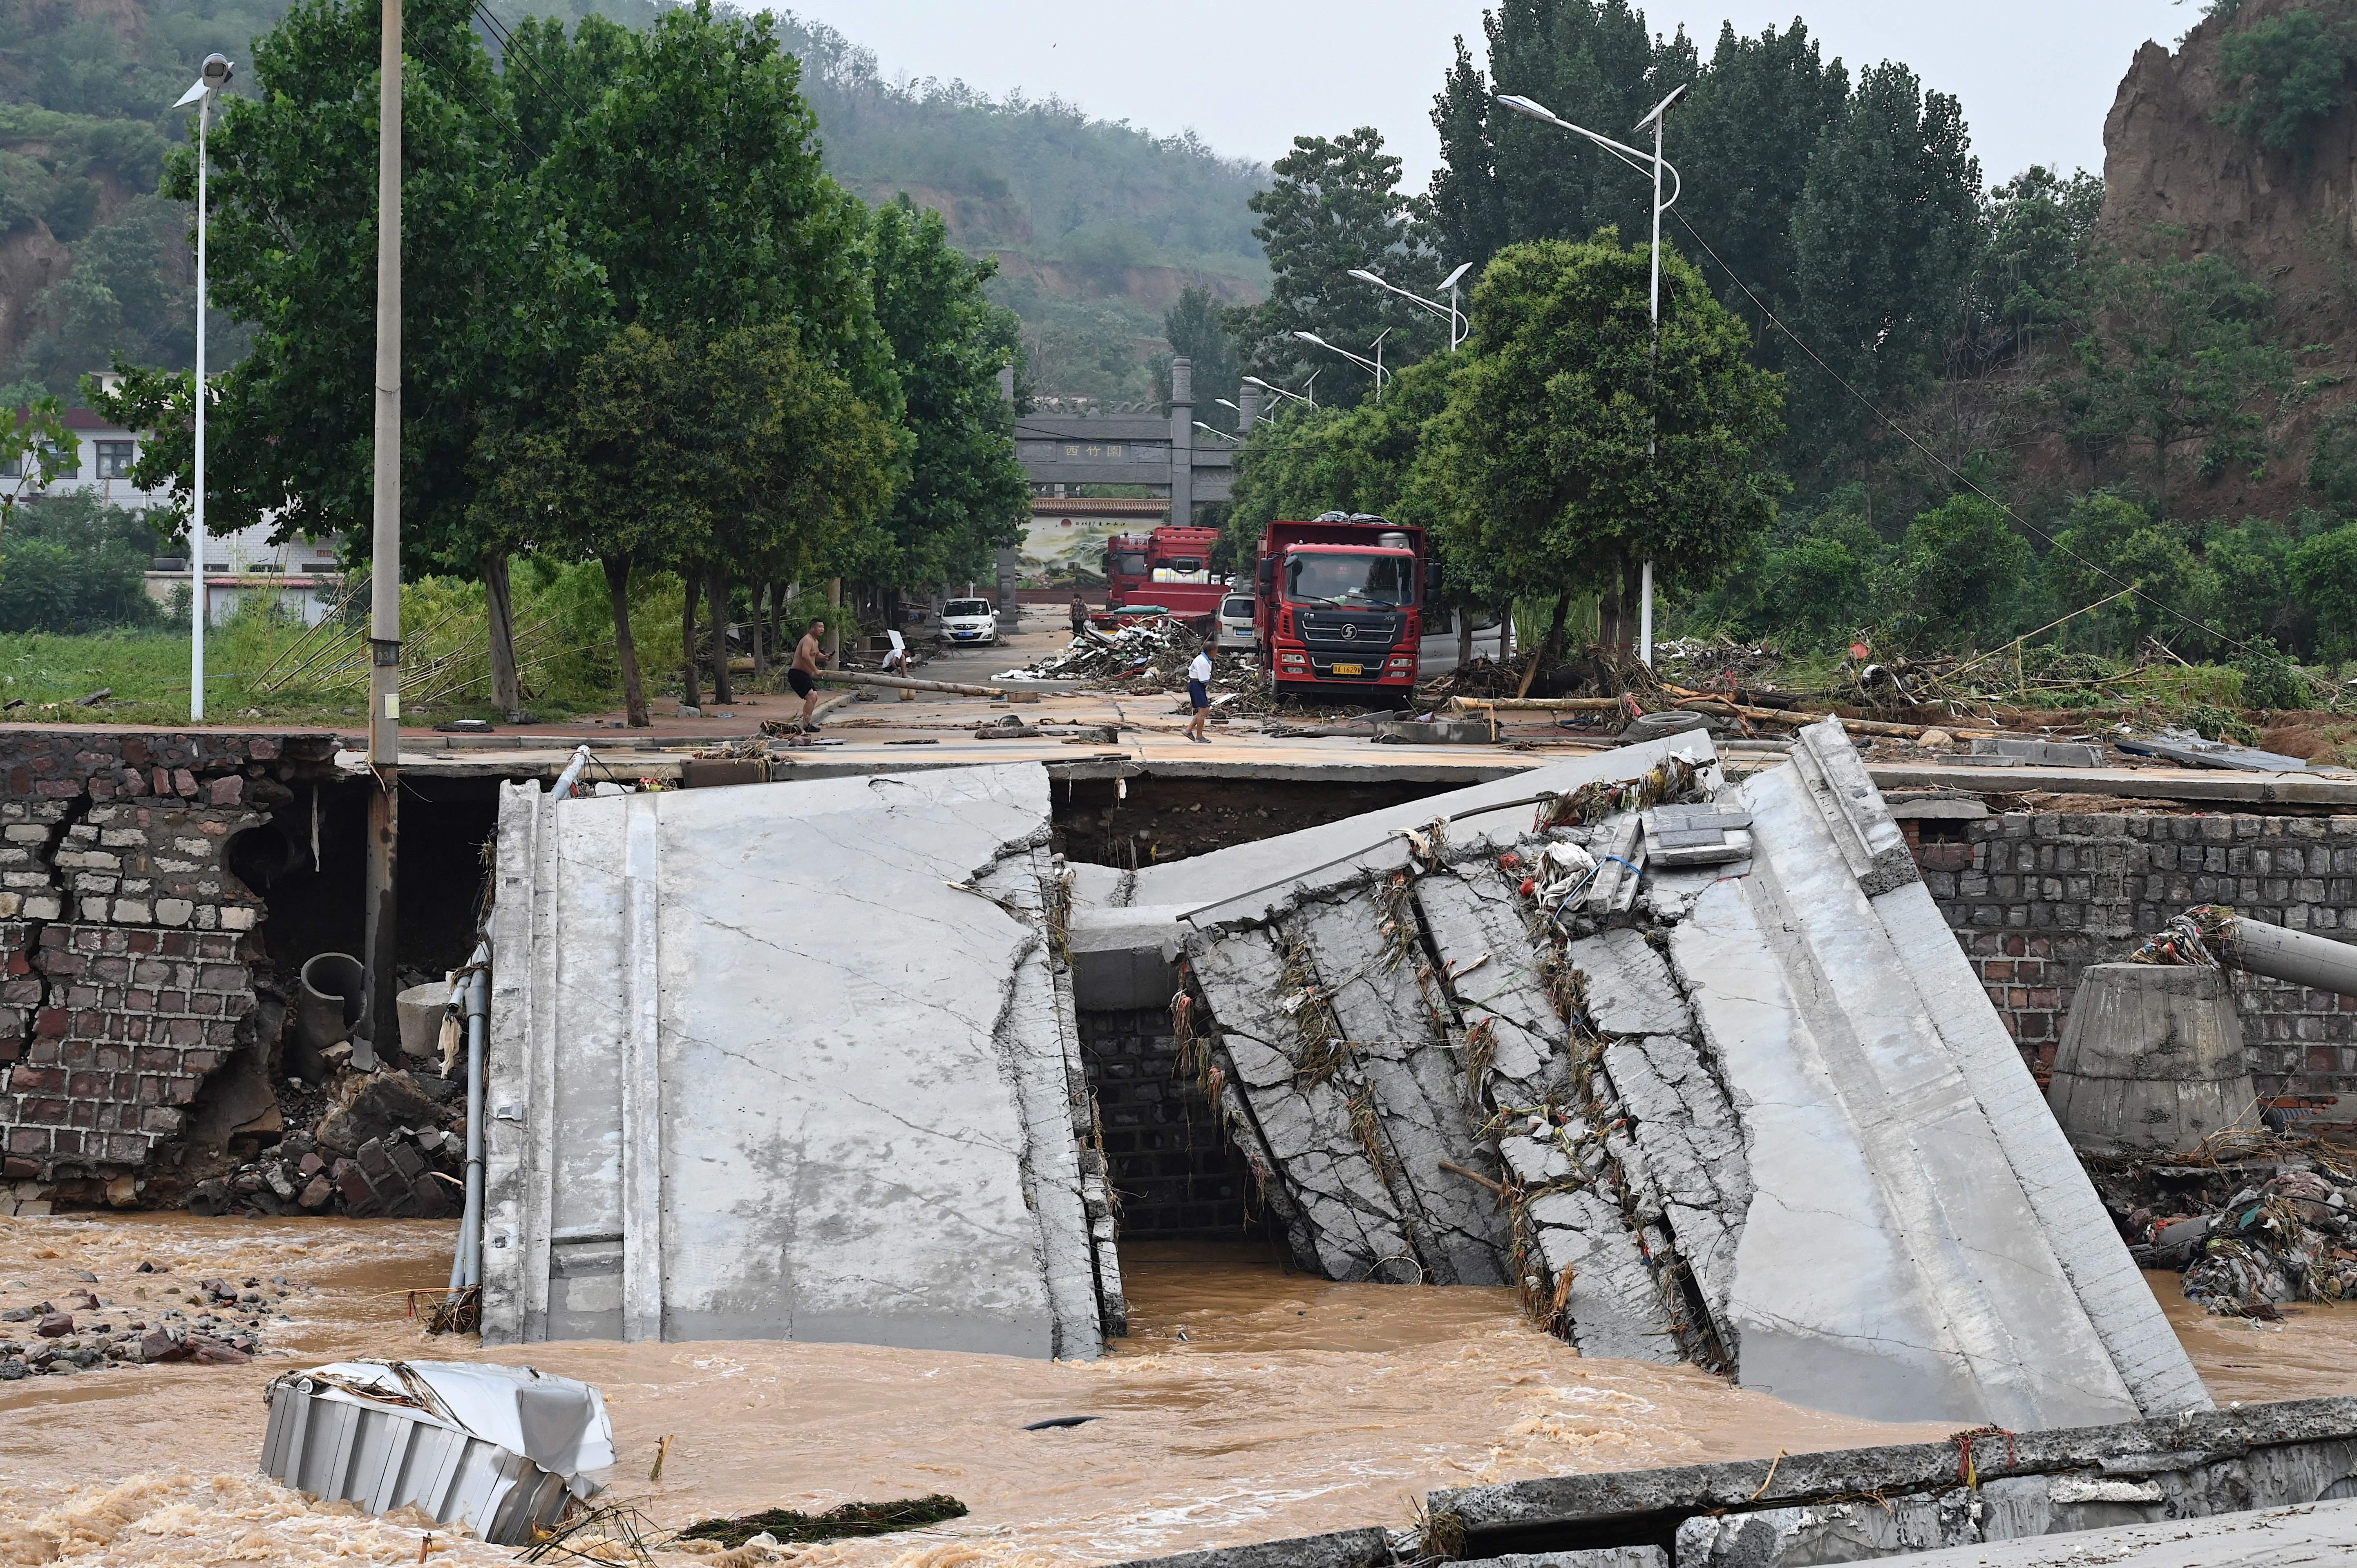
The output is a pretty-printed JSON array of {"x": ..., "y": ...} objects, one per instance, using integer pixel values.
[
  {"x": 802, "y": 1062},
  {"x": 1760, "y": 1117}
]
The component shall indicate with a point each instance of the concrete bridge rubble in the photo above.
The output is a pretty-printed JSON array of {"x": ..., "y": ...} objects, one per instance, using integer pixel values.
[
  {"x": 772, "y": 1062},
  {"x": 1694, "y": 1062}
]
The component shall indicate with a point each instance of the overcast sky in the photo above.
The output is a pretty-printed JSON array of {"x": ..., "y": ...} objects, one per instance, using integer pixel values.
[{"x": 2036, "y": 76}]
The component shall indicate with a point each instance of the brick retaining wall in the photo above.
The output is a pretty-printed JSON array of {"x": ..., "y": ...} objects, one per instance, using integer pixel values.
[
  {"x": 2035, "y": 899},
  {"x": 126, "y": 944}
]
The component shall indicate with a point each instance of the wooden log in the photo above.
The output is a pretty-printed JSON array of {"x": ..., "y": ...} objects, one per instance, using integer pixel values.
[{"x": 1720, "y": 705}]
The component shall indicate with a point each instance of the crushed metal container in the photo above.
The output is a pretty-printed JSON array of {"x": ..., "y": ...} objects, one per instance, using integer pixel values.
[{"x": 498, "y": 1450}]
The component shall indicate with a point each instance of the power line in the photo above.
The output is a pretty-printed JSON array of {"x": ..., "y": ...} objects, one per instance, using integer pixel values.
[{"x": 1943, "y": 464}]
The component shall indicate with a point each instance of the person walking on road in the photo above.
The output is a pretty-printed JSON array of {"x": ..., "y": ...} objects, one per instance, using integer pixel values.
[
  {"x": 803, "y": 676},
  {"x": 1080, "y": 615},
  {"x": 1198, "y": 694}
]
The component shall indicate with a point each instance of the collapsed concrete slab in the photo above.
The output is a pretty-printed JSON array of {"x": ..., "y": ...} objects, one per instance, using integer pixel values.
[
  {"x": 791, "y": 1063},
  {"x": 1985, "y": 1496},
  {"x": 1754, "y": 1113}
]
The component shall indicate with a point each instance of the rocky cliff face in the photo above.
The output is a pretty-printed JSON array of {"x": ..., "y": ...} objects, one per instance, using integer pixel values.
[{"x": 2167, "y": 160}]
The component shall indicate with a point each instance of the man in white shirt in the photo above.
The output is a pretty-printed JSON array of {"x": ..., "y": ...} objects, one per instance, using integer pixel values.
[{"x": 1199, "y": 694}]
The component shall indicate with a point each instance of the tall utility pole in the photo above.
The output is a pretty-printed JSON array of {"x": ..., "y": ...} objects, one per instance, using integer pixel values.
[
  {"x": 384, "y": 562},
  {"x": 1641, "y": 161},
  {"x": 216, "y": 77},
  {"x": 1659, "y": 117}
]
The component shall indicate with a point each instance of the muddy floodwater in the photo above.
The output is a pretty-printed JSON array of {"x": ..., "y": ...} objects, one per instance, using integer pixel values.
[{"x": 1246, "y": 1403}]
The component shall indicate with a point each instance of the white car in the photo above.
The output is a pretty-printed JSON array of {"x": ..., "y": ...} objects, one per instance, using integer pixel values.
[
  {"x": 971, "y": 621},
  {"x": 1236, "y": 623}
]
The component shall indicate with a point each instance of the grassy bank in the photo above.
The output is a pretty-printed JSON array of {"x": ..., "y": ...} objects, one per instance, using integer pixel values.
[{"x": 264, "y": 666}]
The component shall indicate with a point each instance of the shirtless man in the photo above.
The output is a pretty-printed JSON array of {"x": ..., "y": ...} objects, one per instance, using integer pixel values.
[{"x": 803, "y": 676}]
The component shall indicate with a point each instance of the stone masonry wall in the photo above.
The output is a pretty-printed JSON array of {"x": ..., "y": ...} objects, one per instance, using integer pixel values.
[
  {"x": 2035, "y": 899},
  {"x": 1169, "y": 1162},
  {"x": 126, "y": 946}
]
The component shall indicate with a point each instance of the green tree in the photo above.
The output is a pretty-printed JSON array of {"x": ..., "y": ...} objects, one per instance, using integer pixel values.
[
  {"x": 1504, "y": 178},
  {"x": 2333, "y": 460},
  {"x": 2286, "y": 76},
  {"x": 2175, "y": 357},
  {"x": 1197, "y": 334},
  {"x": 34, "y": 442},
  {"x": 2323, "y": 572},
  {"x": 2107, "y": 542},
  {"x": 966, "y": 493},
  {"x": 76, "y": 565},
  {"x": 694, "y": 185},
  {"x": 2038, "y": 224},
  {"x": 601, "y": 473},
  {"x": 294, "y": 258},
  {"x": 1746, "y": 133},
  {"x": 1335, "y": 204},
  {"x": 1820, "y": 585},
  {"x": 1543, "y": 456},
  {"x": 1883, "y": 242},
  {"x": 1964, "y": 579},
  {"x": 2251, "y": 565},
  {"x": 1305, "y": 462}
]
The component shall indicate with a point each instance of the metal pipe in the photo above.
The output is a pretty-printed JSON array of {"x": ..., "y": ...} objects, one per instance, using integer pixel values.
[
  {"x": 470, "y": 1227},
  {"x": 461, "y": 996},
  {"x": 2297, "y": 957},
  {"x": 570, "y": 777}
]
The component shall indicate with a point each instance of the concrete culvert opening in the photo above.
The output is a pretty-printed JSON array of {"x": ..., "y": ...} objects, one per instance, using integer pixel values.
[
  {"x": 1147, "y": 819},
  {"x": 1177, "y": 1177}
]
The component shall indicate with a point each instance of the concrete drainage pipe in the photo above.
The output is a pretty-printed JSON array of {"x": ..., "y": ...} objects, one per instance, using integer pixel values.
[{"x": 327, "y": 1002}]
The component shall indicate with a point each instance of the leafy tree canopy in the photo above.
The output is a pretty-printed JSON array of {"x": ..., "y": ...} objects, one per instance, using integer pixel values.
[{"x": 1545, "y": 444}]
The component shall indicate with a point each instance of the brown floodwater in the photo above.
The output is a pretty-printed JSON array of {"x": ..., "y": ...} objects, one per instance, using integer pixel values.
[{"x": 1246, "y": 1403}]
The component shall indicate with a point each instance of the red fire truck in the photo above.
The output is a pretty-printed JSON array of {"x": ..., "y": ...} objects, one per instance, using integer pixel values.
[
  {"x": 1170, "y": 567},
  {"x": 1343, "y": 604}
]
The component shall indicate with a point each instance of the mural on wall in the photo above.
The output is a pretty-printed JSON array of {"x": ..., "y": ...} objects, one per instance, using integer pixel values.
[{"x": 1065, "y": 549}]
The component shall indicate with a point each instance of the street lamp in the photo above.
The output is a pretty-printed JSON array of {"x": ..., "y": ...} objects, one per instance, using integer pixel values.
[
  {"x": 1215, "y": 430},
  {"x": 1651, "y": 163},
  {"x": 1449, "y": 313},
  {"x": 1375, "y": 364},
  {"x": 1271, "y": 387},
  {"x": 216, "y": 77}
]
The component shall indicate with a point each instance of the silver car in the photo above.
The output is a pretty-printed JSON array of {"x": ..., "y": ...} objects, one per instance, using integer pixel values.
[
  {"x": 1438, "y": 656},
  {"x": 1237, "y": 622}
]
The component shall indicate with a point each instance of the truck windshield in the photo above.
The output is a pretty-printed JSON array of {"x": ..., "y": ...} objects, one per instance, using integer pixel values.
[
  {"x": 1348, "y": 579},
  {"x": 1129, "y": 565}
]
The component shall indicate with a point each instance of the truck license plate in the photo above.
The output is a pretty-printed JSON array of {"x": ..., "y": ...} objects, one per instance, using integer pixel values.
[{"x": 1350, "y": 670}]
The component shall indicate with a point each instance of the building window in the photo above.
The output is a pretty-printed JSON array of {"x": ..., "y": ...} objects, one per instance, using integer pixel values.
[
  {"x": 114, "y": 458},
  {"x": 68, "y": 460}
]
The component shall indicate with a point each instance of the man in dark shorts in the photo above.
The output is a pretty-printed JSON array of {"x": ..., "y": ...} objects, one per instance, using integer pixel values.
[
  {"x": 1198, "y": 695},
  {"x": 803, "y": 675}
]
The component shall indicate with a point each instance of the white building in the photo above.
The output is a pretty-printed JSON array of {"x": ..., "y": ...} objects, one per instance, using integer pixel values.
[{"x": 300, "y": 573}]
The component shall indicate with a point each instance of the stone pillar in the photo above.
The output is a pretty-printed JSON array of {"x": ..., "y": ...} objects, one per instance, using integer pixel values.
[
  {"x": 1182, "y": 442},
  {"x": 2151, "y": 1061},
  {"x": 1247, "y": 408},
  {"x": 1010, "y": 579}
]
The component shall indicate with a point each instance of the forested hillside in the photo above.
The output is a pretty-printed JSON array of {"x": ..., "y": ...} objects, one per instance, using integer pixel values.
[
  {"x": 1097, "y": 226},
  {"x": 2112, "y": 414}
]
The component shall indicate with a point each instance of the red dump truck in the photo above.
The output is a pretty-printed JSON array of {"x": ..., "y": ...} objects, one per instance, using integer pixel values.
[
  {"x": 1343, "y": 606},
  {"x": 1170, "y": 567}
]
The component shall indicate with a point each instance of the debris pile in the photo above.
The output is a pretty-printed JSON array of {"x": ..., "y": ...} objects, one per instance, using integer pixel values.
[
  {"x": 1144, "y": 654},
  {"x": 390, "y": 1144},
  {"x": 86, "y": 1333},
  {"x": 2253, "y": 1219}
]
